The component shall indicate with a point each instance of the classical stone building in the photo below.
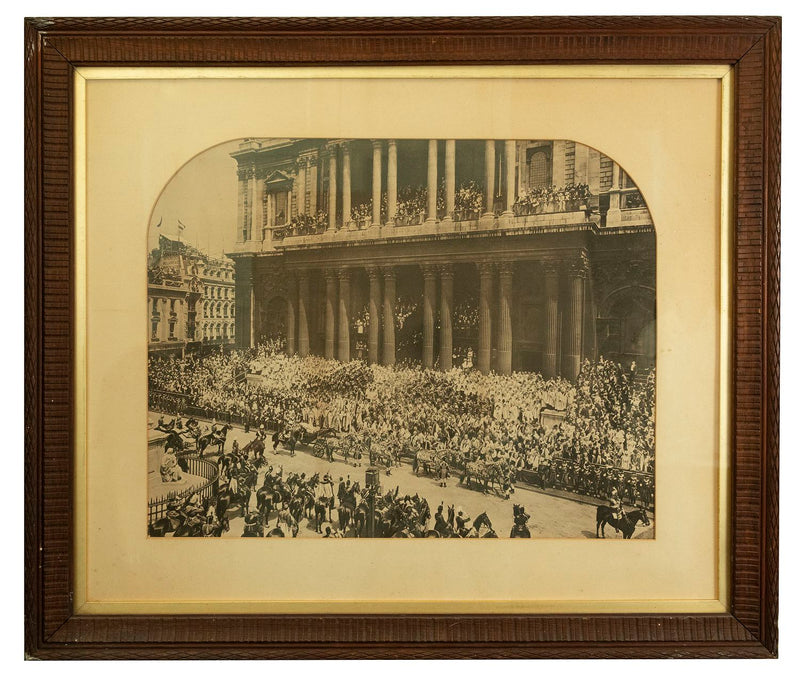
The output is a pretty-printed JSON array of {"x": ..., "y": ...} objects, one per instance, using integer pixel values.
[
  {"x": 505, "y": 255},
  {"x": 191, "y": 299}
]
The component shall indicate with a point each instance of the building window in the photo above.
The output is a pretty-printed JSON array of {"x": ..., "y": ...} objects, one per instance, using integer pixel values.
[
  {"x": 154, "y": 330},
  {"x": 539, "y": 171},
  {"x": 172, "y": 331}
]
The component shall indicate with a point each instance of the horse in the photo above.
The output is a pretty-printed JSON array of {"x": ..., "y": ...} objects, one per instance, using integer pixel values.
[
  {"x": 285, "y": 519},
  {"x": 213, "y": 438},
  {"x": 165, "y": 427},
  {"x": 480, "y": 521},
  {"x": 321, "y": 506},
  {"x": 165, "y": 525},
  {"x": 625, "y": 525},
  {"x": 253, "y": 526},
  {"x": 173, "y": 441},
  {"x": 256, "y": 446}
]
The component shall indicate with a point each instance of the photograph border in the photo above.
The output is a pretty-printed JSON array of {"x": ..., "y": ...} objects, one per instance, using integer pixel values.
[{"x": 56, "y": 47}]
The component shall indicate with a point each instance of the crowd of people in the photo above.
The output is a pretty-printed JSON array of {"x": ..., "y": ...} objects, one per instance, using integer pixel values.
[{"x": 607, "y": 416}]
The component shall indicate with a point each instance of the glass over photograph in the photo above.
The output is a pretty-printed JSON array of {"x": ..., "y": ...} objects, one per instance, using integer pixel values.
[{"x": 363, "y": 338}]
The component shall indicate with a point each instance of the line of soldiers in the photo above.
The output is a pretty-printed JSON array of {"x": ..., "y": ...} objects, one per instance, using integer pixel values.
[{"x": 598, "y": 481}]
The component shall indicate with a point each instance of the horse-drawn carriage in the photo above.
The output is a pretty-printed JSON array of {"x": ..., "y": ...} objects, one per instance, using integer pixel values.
[
  {"x": 431, "y": 462},
  {"x": 488, "y": 476},
  {"x": 381, "y": 453},
  {"x": 352, "y": 447}
]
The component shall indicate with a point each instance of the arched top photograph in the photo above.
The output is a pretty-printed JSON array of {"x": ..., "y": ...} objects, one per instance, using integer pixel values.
[{"x": 367, "y": 322}]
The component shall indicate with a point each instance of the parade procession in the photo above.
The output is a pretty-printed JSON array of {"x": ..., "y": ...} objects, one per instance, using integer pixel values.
[{"x": 427, "y": 339}]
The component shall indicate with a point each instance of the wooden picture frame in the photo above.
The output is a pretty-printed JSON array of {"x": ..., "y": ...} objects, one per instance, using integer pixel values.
[{"x": 55, "y": 47}]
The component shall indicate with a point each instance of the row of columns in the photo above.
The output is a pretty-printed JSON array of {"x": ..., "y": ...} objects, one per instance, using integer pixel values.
[
  {"x": 256, "y": 209},
  {"x": 494, "y": 315},
  {"x": 510, "y": 153}
]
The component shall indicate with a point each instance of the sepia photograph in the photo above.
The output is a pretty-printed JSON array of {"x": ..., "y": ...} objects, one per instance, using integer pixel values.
[{"x": 401, "y": 339}]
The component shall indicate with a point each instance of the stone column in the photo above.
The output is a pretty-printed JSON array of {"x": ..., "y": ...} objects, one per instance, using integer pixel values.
[
  {"x": 258, "y": 212},
  {"x": 344, "y": 315},
  {"x": 388, "y": 315},
  {"x": 252, "y": 313},
  {"x": 489, "y": 163},
  {"x": 330, "y": 312},
  {"x": 577, "y": 274},
  {"x": 504, "y": 334},
  {"x": 291, "y": 315},
  {"x": 432, "y": 169},
  {"x": 449, "y": 178},
  {"x": 376, "y": 182},
  {"x": 614, "y": 214},
  {"x": 511, "y": 176},
  {"x": 428, "y": 308},
  {"x": 391, "y": 182},
  {"x": 313, "y": 181},
  {"x": 289, "y": 206},
  {"x": 374, "y": 314},
  {"x": 163, "y": 325},
  {"x": 251, "y": 202},
  {"x": 332, "y": 190},
  {"x": 484, "y": 357},
  {"x": 300, "y": 185},
  {"x": 346, "y": 192},
  {"x": 302, "y": 313},
  {"x": 242, "y": 193},
  {"x": 550, "y": 356},
  {"x": 446, "y": 318}
]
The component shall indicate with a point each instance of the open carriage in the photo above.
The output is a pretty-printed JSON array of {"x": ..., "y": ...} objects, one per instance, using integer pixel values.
[{"x": 430, "y": 462}]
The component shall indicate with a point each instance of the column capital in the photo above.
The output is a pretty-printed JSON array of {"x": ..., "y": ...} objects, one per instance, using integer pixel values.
[
  {"x": 302, "y": 273},
  {"x": 389, "y": 272},
  {"x": 344, "y": 273},
  {"x": 578, "y": 266},
  {"x": 373, "y": 272},
  {"x": 376, "y": 143},
  {"x": 247, "y": 172},
  {"x": 330, "y": 273},
  {"x": 429, "y": 271},
  {"x": 551, "y": 266},
  {"x": 446, "y": 271},
  {"x": 485, "y": 268},
  {"x": 506, "y": 268},
  {"x": 304, "y": 158}
]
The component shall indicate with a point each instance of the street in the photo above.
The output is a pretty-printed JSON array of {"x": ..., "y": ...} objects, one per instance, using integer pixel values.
[{"x": 551, "y": 516}]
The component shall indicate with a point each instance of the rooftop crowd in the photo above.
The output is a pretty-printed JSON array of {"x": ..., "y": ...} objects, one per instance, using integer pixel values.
[{"x": 608, "y": 413}]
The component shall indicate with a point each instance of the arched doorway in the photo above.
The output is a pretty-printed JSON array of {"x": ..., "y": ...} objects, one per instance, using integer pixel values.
[{"x": 626, "y": 326}]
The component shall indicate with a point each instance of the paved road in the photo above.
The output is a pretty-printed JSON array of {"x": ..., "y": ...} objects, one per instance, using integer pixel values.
[{"x": 551, "y": 516}]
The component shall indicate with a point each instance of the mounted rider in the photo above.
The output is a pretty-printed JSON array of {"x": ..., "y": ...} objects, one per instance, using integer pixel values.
[
  {"x": 520, "y": 520},
  {"x": 461, "y": 522},
  {"x": 615, "y": 503},
  {"x": 441, "y": 525}
]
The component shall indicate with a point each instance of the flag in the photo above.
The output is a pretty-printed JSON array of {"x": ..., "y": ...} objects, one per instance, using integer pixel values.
[{"x": 181, "y": 226}]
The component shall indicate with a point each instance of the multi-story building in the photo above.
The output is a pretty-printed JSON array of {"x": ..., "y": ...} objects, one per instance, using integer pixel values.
[
  {"x": 191, "y": 299},
  {"x": 515, "y": 254}
]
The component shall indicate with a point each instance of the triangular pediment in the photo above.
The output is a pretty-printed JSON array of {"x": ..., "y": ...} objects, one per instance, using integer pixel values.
[{"x": 277, "y": 177}]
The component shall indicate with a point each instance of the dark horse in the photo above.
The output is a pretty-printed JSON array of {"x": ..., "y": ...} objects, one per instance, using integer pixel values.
[
  {"x": 625, "y": 525},
  {"x": 213, "y": 438}
]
